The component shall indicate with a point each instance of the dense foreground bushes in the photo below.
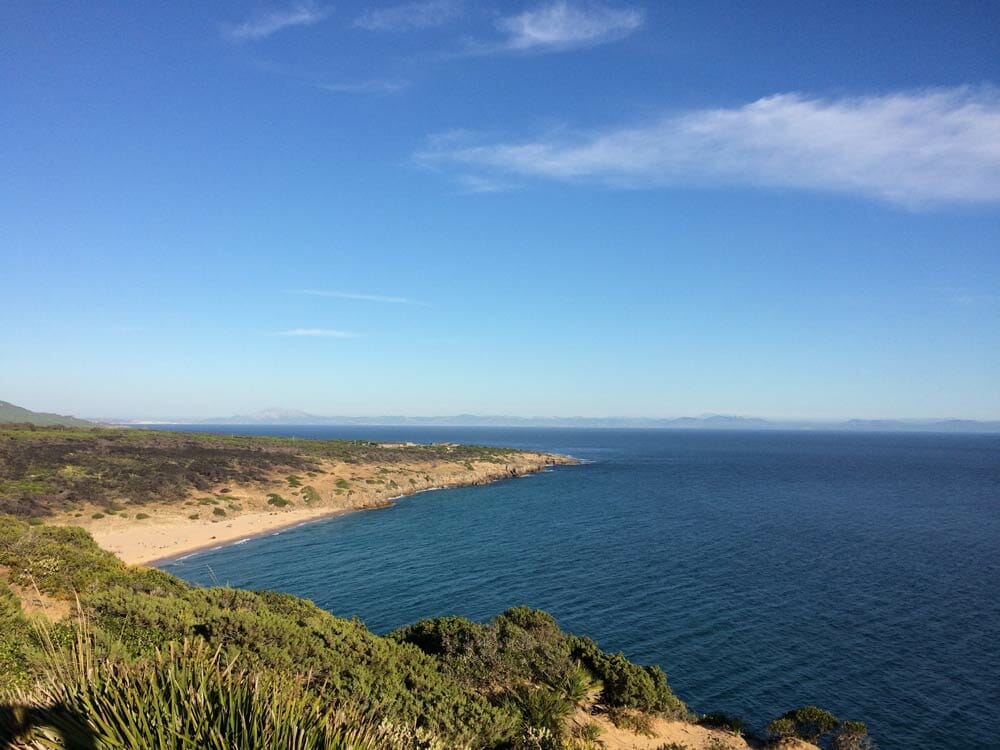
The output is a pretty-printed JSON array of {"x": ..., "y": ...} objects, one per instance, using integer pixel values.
[{"x": 526, "y": 646}]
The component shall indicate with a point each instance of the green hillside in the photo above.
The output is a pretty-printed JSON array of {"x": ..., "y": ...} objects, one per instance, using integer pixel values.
[{"x": 11, "y": 414}]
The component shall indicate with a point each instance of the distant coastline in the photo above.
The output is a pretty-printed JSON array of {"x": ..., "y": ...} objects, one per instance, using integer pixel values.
[{"x": 291, "y": 418}]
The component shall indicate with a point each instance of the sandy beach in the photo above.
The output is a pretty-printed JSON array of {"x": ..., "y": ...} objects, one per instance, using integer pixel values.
[{"x": 227, "y": 514}]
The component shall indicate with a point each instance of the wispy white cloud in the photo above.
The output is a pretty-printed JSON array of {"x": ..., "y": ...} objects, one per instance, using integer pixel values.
[
  {"x": 410, "y": 16},
  {"x": 561, "y": 25},
  {"x": 474, "y": 183},
  {"x": 910, "y": 148},
  {"x": 329, "y": 333},
  {"x": 356, "y": 296},
  {"x": 372, "y": 86},
  {"x": 270, "y": 22}
]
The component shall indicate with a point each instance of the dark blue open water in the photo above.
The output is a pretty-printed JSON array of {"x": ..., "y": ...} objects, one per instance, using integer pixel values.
[{"x": 761, "y": 570}]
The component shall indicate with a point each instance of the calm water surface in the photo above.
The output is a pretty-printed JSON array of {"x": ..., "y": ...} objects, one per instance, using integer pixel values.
[{"x": 762, "y": 570}]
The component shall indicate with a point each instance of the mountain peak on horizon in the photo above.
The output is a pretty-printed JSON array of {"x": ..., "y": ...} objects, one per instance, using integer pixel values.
[
  {"x": 292, "y": 417},
  {"x": 277, "y": 412}
]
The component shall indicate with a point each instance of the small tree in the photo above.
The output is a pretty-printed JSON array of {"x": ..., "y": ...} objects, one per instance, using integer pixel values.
[
  {"x": 852, "y": 735},
  {"x": 781, "y": 729},
  {"x": 808, "y": 723}
]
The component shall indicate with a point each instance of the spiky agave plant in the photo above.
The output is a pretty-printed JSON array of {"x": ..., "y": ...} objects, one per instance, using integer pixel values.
[
  {"x": 542, "y": 707},
  {"x": 185, "y": 697},
  {"x": 579, "y": 686}
]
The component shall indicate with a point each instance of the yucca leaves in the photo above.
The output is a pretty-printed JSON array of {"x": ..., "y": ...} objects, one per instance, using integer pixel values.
[{"x": 186, "y": 697}]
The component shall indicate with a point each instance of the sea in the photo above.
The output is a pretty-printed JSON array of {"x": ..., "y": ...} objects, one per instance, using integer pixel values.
[{"x": 761, "y": 570}]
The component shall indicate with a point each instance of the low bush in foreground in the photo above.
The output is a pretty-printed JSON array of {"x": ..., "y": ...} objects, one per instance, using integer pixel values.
[{"x": 191, "y": 699}]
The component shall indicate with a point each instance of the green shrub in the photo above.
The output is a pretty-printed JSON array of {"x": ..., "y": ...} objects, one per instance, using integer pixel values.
[
  {"x": 310, "y": 495},
  {"x": 590, "y": 732},
  {"x": 632, "y": 720},
  {"x": 59, "y": 560},
  {"x": 578, "y": 685},
  {"x": 807, "y": 722},
  {"x": 781, "y": 728},
  {"x": 852, "y": 735},
  {"x": 218, "y": 512},
  {"x": 97, "y": 516},
  {"x": 525, "y": 646},
  {"x": 294, "y": 481},
  {"x": 628, "y": 684},
  {"x": 719, "y": 720},
  {"x": 14, "y": 642},
  {"x": 277, "y": 500},
  {"x": 542, "y": 708},
  {"x": 142, "y": 516}
]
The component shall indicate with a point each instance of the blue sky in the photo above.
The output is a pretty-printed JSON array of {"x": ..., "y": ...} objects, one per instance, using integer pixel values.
[{"x": 785, "y": 209}]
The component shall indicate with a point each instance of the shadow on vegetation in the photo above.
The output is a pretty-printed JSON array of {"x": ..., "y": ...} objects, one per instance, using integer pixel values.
[{"x": 18, "y": 722}]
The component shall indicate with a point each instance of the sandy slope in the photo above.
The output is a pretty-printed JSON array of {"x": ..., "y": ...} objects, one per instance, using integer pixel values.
[{"x": 665, "y": 732}]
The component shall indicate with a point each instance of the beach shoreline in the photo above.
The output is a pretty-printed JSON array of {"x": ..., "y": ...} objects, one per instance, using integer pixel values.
[{"x": 167, "y": 532}]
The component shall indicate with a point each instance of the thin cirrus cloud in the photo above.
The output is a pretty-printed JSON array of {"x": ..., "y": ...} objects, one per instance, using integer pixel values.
[
  {"x": 270, "y": 22},
  {"x": 357, "y": 296},
  {"x": 410, "y": 16},
  {"x": 560, "y": 26},
  {"x": 372, "y": 86},
  {"x": 910, "y": 148},
  {"x": 329, "y": 333}
]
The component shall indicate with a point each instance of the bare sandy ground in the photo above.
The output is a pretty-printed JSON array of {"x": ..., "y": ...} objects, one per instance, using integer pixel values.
[
  {"x": 228, "y": 514},
  {"x": 665, "y": 732}
]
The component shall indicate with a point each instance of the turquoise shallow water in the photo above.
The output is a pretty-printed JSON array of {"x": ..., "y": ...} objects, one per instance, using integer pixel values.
[{"x": 762, "y": 570}]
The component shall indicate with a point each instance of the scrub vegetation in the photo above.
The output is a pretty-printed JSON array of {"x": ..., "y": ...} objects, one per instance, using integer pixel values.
[{"x": 49, "y": 470}]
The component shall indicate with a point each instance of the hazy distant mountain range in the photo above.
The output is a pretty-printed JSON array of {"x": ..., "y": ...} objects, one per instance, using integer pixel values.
[{"x": 288, "y": 417}]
